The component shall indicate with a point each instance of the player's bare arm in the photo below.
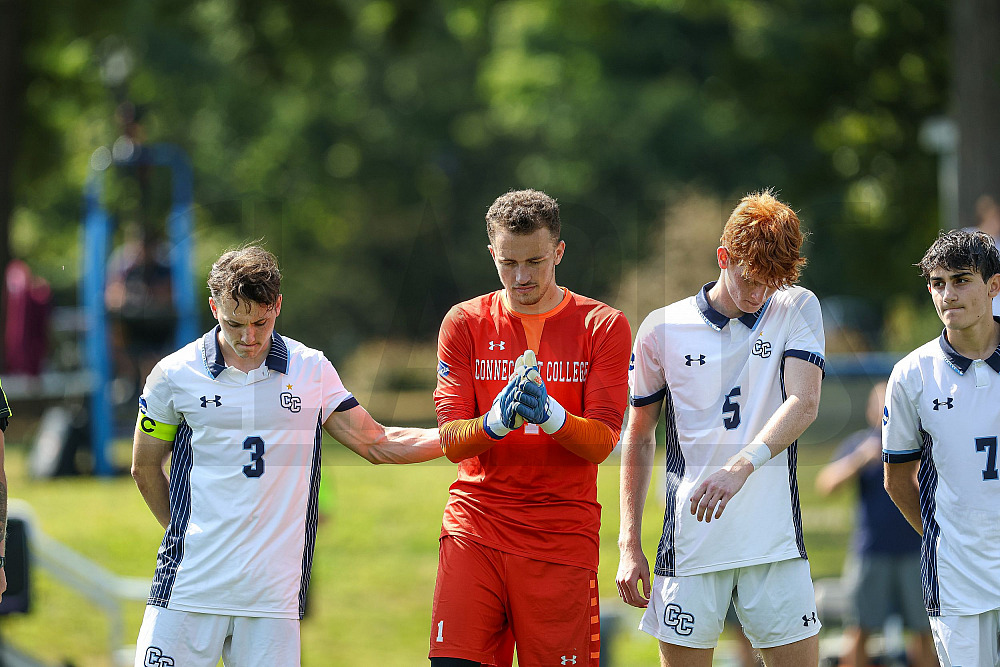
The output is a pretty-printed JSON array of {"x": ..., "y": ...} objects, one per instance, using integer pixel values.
[
  {"x": 358, "y": 431},
  {"x": 149, "y": 460},
  {"x": 638, "y": 450},
  {"x": 803, "y": 381},
  {"x": 901, "y": 485},
  {"x": 844, "y": 470}
]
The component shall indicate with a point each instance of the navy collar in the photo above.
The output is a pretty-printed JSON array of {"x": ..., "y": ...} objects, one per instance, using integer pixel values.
[
  {"x": 717, "y": 320},
  {"x": 961, "y": 364},
  {"x": 277, "y": 356}
]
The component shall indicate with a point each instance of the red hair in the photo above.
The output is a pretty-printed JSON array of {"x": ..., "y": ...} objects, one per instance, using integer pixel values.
[{"x": 763, "y": 235}]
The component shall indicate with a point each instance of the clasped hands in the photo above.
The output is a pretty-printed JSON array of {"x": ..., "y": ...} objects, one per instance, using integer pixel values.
[{"x": 524, "y": 399}]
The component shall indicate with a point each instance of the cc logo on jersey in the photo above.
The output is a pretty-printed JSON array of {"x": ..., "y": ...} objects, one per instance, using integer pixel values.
[
  {"x": 678, "y": 619},
  {"x": 761, "y": 348},
  {"x": 289, "y": 402},
  {"x": 155, "y": 658}
]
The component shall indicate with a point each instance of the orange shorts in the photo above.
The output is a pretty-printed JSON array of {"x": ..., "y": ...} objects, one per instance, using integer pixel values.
[{"x": 484, "y": 596}]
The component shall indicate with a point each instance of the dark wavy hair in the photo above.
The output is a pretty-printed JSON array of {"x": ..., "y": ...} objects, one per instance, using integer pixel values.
[
  {"x": 523, "y": 212},
  {"x": 249, "y": 274},
  {"x": 959, "y": 249}
]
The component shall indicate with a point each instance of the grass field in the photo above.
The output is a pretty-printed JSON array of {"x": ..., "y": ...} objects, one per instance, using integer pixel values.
[{"x": 376, "y": 557}]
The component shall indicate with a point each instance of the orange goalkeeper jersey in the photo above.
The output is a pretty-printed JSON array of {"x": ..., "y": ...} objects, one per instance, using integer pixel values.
[{"x": 527, "y": 494}]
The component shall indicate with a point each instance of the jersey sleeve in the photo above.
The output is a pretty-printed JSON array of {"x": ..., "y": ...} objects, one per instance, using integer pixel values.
[
  {"x": 158, "y": 415},
  {"x": 454, "y": 396},
  {"x": 805, "y": 339},
  {"x": 157, "y": 399},
  {"x": 902, "y": 437},
  {"x": 4, "y": 406},
  {"x": 5, "y": 412},
  {"x": 606, "y": 391},
  {"x": 336, "y": 398},
  {"x": 646, "y": 380}
]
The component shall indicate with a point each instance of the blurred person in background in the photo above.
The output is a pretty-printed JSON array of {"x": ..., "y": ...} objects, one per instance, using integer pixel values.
[
  {"x": 738, "y": 367},
  {"x": 239, "y": 415},
  {"x": 940, "y": 428},
  {"x": 139, "y": 298},
  {"x": 883, "y": 569}
]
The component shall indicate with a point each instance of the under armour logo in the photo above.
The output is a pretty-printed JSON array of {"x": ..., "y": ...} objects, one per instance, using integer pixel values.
[
  {"x": 807, "y": 619},
  {"x": 155, "y": 658},
  {"x": 205, "y": 400},
  {"x": 567, "y": 661},
  {"x": 761, "y": 348},
  {"x": 498, "y": 346},
  {"x": 700, "y": 359},
  {"x": 948, "y": 403}
]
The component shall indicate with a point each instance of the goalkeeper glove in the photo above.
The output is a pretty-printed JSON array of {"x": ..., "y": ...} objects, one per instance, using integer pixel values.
[
  {"x": 502, "y": 418},
  {"x": 533, "y": 402}
]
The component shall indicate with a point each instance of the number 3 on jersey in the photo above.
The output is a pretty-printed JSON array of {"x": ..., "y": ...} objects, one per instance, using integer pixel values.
[
  {"x": 732, "y": 408},
  {"x": 256, "y": 466}
]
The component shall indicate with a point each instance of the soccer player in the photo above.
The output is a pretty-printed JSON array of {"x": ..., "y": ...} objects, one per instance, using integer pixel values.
[
  {"x": 519, "y": 540},
  {"x": 939, "y": 438},
  {"x": 240, "y": 414},
  {"x": 883, "y": 567},
  {"x": 738, "y": 367},
  {"x": 4, "y": 416}
]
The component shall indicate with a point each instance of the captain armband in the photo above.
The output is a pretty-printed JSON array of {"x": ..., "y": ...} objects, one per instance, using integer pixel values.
[{"x": 158, "y": 430}]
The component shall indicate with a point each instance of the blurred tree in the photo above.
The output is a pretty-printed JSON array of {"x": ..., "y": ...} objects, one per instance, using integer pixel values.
[
  {"x": 365, "y": 139},
  {"x": 976, "y": 101},
  {"x": 11, "y": 20}
]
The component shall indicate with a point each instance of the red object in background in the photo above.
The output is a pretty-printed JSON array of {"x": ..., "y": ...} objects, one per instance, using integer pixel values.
[{"x": 29, "y": 299}]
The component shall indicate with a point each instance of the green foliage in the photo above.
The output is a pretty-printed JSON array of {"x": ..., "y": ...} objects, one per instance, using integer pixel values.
[{"x": 365, "y": 139}]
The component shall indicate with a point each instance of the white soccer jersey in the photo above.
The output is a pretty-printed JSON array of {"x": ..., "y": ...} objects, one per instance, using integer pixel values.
[
  {"x": 722, "y": 380},
  {"x": 944, "y": 410},
  {"x": 244, "y": 476}
]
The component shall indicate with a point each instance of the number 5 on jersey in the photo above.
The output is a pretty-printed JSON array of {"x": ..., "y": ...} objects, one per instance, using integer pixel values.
[
  {"x": 732, "y": 408},
  {"x": 256, "y": 466}
]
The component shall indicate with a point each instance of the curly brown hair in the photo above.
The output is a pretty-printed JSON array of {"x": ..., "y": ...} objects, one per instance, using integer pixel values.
[
  {"x": 764, "y": 235},
  {"x": 523, "y": 212},
  {"x": 249, "y": 273}
]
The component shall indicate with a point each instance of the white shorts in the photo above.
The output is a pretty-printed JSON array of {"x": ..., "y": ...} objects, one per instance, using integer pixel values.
[
  {"x": 775, "y": 602},
  {"x": 967, "y": 641},
  {"x": 170, "y": 638}
]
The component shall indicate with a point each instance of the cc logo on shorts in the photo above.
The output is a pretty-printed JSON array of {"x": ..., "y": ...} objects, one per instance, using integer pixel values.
[
  {"x": 155, "y": 658},
  {"x": 678, "y": 619}
]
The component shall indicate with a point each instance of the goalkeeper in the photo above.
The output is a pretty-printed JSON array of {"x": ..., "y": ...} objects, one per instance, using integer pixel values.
[{"x": 519, "y": 539}]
